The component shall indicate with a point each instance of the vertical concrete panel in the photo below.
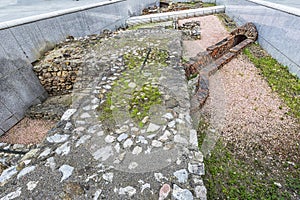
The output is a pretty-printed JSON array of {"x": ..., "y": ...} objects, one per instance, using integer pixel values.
[
  {"x": 5, "y": 114},
  {"x": 11, "y": 45},
  {"x": 73, "y": 24},
  {"x": 51, "y": 31},
  {"x": 31, "y": 40},
  {"x": 10, "y": 98}
]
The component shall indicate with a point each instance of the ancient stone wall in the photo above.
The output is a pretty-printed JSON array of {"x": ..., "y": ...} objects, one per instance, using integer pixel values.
[{"x": 25, "y": 40}]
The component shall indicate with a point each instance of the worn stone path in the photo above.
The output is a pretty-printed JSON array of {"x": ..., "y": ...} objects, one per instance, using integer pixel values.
[{"x": 128, "y": 134}]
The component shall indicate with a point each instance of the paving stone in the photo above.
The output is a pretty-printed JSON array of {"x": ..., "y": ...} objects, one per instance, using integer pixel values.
[
  {"x": 82, "y": 140},
  {"x": 179, "y": 139},
  {"x": 31, "y": 185},
  {"x": 164, "y": 191},
  {"x": 66, "y": 171},
  {"x": 129, "y": 190},
  {"x": 63, "y": 149},
  {"x": 137, "y": 150},
  {"x": 25, "y": 171},
  {"x": 200, "y": 192},
  {"x": 181, "y": 194},
  {"x": 109, "y": 139},
  {"x": 122, "y": 137},
  {"x": 152, "y": 128},
  {"x": 45, "y": 153},
  {"x": 181, "y": 175},
  {"x": 58, "y": 138},
  {"x": 66, "y": 116},
  {"x": 128, "y": 143},
  {"x": 103, "y": 153},
  {"x": 13, "y": 195},
  {"x": 156, "y": 143},
  {"x": 197, "y": 169},
  {"x": 7, "y": 173},
  {"x": 108, "y": 177}
]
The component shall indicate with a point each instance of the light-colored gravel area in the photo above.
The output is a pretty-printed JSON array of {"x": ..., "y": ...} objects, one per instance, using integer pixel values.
[
  {"x": 242, "y": 107},
  {"x": 212, "y": 32},
  {"x": 254, "y": 119},
  {"x": 28, "y": 131}
]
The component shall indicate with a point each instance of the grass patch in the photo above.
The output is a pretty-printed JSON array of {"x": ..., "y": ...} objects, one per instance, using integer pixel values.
[
  {"x": 206, "y": 5},
  {"x": 279, "y": 78},
  {"x": 228, "y": 177}
]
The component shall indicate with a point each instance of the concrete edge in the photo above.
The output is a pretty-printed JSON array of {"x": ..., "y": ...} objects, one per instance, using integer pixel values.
[
  {"x": 26, "y": 20},
  {"x": 287, "y": 9},
  {"x": 176, "y": 14}
]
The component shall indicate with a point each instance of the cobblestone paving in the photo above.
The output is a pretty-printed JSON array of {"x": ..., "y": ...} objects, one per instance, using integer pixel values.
[{"x": 128, "y": 134}]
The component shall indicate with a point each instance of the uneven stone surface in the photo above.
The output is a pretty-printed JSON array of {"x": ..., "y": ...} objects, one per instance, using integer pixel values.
[{"x": 108, "y": 145}]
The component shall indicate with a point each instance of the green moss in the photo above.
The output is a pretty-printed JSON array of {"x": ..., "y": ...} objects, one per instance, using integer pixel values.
[
  {"x": 229, "y": 177},
  {"x": 279, "y": 78},
  {"x": 142, "y": 100},
  {"x": 134, "y": 92}
]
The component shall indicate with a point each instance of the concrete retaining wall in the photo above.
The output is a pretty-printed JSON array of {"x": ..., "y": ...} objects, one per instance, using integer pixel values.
[
  {"x": 23, "y": 41},
  {"x": 278, "y": 28}
]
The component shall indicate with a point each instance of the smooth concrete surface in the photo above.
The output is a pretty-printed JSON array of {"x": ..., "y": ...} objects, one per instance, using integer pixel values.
[
  {"x": 278, "y": 28},
  {"x": 24, "y": 40},
  {"x": 159, "y": 17}
]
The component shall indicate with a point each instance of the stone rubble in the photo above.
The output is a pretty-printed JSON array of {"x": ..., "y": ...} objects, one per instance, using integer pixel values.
[{"x": 125, "y": 154}]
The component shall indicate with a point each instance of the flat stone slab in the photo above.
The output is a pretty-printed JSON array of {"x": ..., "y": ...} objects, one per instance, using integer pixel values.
[{"x": 128, "y": 134}]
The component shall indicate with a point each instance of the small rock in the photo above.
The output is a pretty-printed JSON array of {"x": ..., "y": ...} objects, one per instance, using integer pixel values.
[
  {"x": 156, "y": 143},
  {"x": 8, "y": 173},
  {"x": 278, "y": 184},
  {"x": 141, "y": 139},
  {"x": 132, "y": 85},
  {"x": 172, "y": 124},
  {"x": 179, "y": 139},
  {"x": 159, "y": 177},
  {"x": 152, "y": 128},
  {"x": 67, "y": 171},
  {"x": 109, "y": 139},
  {"x": 66, "y": 116},
  {"x": 130, "y": 191},
  {"x": 57, "y": 138},
  {"x": 45, "y": 153},
  {"x": 97, "y": 194},
  {"x": 117, "y": 148},
  {"x": 63, "y": 149},
  {"x": 200, "y": 192},
  {"x": 13, "y": 195},
  {"x": 25, "y": 171},
  {"x": 137, "y": 150},
  {"x": 151, "y": 136},
  {"x": 132, "y": 165},
  {"x": 123, "y": 136},
  {"x": 168, "y": 116},
  {"x": 31, "y": 185},
  {"x": 82, "y": 140},
  {"x": 85, "y": 115},
  {"x": 181, "y": 194},
  {"x": 128, "y": 143},
  {"x": 164, "y": 191},
  {"x": 165, "y": 136},
  {"x": 104, "y": 153},
  {"x": 197, "y": 169},
  {"x": 181, "y": 175},
  {"x": 108, "y": 177},
  {"x": 122, "y": 129},
  {"x": 145, "y": 186},
  {"x": 145, "y": 120},
  {"x": 29, "y": 155},
  {"x": 50, "y": 163}
]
